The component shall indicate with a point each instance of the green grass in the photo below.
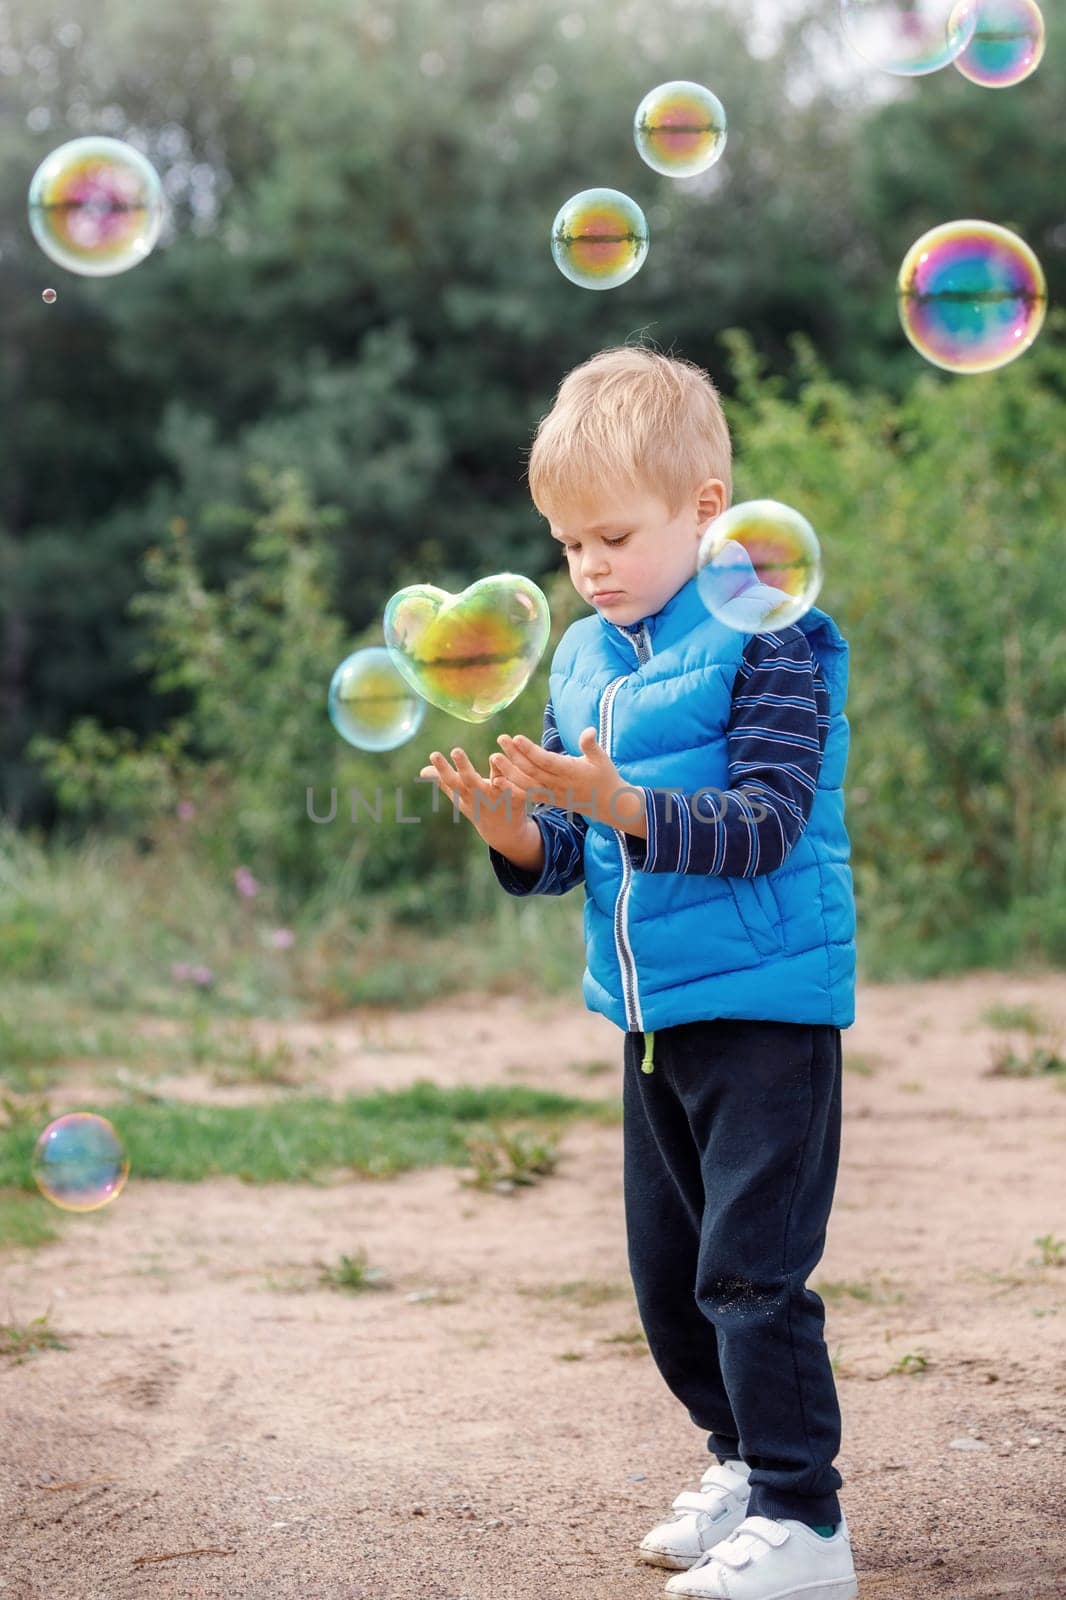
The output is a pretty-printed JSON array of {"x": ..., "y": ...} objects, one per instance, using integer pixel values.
[
  {"x": 353, "y": 1273},
  {"x": 1014, "y": 1019},
  {"x": 1052, "y": 1251},
  {"x": 21, "y": 1340},
  {"x": 26, "y": 1219},
  {"x": 37, "y": 1041},
  {"x": 910, "y": 1365},
  {"x": 300, "y": 1139},
  {"x": 833, "y": 1291},
  {"x": 1045, "y": 1056},
  {"x": 864, "y": 1065},
  {"x": 584, "y": 1292},
  {"x": 91, "y": 932}
]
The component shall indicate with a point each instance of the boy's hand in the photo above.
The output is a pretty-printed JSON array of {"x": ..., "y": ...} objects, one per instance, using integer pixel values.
[
  {"x": 587, "y": 783},
  {"x": 497, "y": 809}
]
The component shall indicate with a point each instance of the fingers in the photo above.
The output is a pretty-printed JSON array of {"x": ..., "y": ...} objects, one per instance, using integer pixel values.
[
  {"x": 504, "y": 776},
  {"x": 460, "y": 783},
  {"x": 523, "y": 756},
  {"x": 468, "y": 773}
]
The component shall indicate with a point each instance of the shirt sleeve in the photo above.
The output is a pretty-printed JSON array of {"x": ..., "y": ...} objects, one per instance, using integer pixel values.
[
  {"x": 563, "y": 834},
  {"x": 776, "y": 735}
]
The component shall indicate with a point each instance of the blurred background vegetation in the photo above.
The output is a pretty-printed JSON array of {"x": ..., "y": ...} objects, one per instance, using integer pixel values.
[{"x": 215, "y": 469}]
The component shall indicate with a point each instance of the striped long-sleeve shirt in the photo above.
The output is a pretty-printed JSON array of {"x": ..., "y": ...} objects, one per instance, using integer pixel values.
[{"x": 776, "y": 735}]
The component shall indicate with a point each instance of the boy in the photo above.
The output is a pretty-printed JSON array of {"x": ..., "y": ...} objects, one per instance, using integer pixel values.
[{"x": 691, "y": 777}]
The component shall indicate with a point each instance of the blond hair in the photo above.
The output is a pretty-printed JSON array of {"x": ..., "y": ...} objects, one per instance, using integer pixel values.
[{"x": 630, "y": 416}]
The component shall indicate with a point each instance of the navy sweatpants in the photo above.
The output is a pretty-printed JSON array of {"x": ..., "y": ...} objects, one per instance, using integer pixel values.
[{"x": 730, "y": 1159}]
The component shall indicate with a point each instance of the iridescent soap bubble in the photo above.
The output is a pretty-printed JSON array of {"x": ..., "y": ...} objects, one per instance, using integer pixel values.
[
  {"x": 759, "y": 566},
  {"x": 680, "y": 128},
  {"x": 79, "y": 1163},
  {"x": 371, "y": 704},
  {"x": 48, "y": 296},
  {"x": 96, "y": 206},
  {"x": 909, "y": 37},
  {"x": 971, "y": 295},
  {"x": 1008, "y": 44},
  {"x": 472, "y": 653},
  {"x": 599, "y": 238}
]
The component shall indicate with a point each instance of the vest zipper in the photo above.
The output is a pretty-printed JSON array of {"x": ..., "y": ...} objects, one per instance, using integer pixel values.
[
  {"x": 626, "y": 962},
  {"x": 648, "y": 1064}
]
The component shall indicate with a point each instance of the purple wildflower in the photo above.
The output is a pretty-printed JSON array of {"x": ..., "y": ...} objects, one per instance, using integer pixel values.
[{"x": 247, "y": 884}]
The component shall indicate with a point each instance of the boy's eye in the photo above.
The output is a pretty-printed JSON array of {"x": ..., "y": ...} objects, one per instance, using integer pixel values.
[{"x": 621, "y": 539}]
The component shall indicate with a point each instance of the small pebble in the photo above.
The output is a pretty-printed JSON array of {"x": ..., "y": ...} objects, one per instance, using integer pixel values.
[
  {"x": 638, "y": 1477},
  {"x": 1033, "y": 1439},
  {"x": 967, "y": 1443}
]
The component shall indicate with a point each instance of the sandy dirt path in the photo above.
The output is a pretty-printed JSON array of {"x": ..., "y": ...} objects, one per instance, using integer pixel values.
[{"x": 491, "y": 1426}]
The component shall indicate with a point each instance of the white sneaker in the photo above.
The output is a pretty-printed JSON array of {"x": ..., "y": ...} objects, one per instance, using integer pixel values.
[
  {"x": 701, "y": 1518},
  {"x": 767, "y": 1559}
]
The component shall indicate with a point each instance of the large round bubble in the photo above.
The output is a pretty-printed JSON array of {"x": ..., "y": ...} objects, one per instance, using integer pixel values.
[
  {"x": 96, "y": 206},
  {"x": 79, "y": 1163},
  {"x": 599, "y": 238},
  {"x": 470, "y": 653},
  {"x": 680, "y": 128},
  {"x": 759, "y": 566},
  {"x": 972, "y": 296},
  {"x": 371, "y": 704},
  {"x": 1007, "y": 46},
  {"x": 909, "y": 37}
]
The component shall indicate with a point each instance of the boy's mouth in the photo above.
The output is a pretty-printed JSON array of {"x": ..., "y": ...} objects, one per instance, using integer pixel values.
[{"x": 604, "y": 596}]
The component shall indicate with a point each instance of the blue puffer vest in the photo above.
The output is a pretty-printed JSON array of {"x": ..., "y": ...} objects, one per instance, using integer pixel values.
[{"x": 668, "y": 947}]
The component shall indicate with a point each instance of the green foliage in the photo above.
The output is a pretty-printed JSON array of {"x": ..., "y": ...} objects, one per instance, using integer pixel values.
[
  {"x": 941, "y": 535},
  {"x": 323, "y": 384},
  {"x": 355, "y": 279}
]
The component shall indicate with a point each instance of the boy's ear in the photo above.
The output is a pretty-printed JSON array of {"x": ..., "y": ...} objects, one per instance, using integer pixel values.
[{"x": 711, "y": 502}]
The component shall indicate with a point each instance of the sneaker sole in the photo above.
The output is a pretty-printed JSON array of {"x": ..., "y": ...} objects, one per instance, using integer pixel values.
[
  {"x": 838, "y": 1589},
  {"x": 679, "y": 1563}
]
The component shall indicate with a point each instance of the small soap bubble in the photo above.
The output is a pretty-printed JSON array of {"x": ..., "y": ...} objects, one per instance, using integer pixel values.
[
  {"x": 1007, "y": 46},
  {"x": 599, "y": 238},
  {"x": 96, "y": 206},
  {"x": 680, "y": 128},
  {"x": 909, "y": 37},
  {"x": 370, "y": 703},
  {"x": 48, "y": 296},
  {"x": 79, "y": 1163},
  {"x": 972, "y": 296},
  {"x": 759, "y": 566}
]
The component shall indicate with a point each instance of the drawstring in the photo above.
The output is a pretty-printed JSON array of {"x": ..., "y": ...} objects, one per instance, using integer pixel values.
[{"x": 648, "y": 1064}]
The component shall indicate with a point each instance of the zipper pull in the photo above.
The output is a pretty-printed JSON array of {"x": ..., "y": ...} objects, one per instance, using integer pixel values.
[{"x": 648, "y": 1065}]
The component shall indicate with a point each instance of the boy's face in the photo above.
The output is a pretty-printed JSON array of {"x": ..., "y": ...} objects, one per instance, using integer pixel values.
[{"x": 629, "y": 557}]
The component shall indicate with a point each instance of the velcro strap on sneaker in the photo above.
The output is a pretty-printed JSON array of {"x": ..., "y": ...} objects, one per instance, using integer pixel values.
[
  {"x": 740, "y": 1547},
  {"x": 712, "y": 1505}
]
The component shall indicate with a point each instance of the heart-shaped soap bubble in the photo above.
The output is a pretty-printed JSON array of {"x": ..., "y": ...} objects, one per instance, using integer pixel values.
[{"x": 472, "y": 653}]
